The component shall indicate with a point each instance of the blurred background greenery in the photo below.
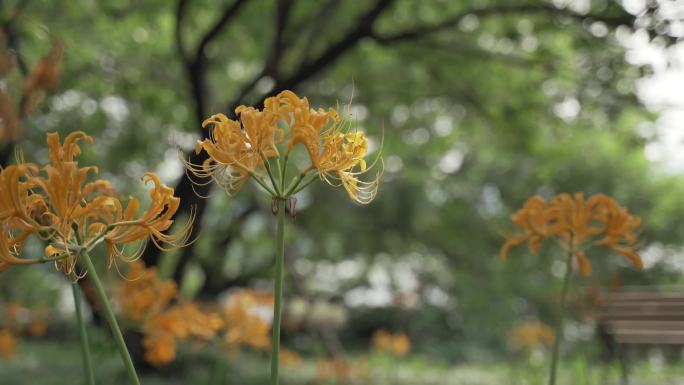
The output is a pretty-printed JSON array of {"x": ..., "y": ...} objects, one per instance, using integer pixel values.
[{"x": 479, "y": 105}]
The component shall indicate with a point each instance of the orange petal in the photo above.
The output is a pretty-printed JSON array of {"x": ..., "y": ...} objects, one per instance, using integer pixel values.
[{"x": 584, "y": 264}]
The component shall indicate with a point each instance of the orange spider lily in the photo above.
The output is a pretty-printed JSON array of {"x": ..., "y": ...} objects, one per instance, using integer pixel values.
[
  {"x": 58, "y": 204},
  {"x": 239, "y": 149},
  {"x": 577, "y": 223}
]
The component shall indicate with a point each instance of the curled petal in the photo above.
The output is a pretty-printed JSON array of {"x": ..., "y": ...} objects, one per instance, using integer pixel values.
[
  {"x": 583, "y": 263},
  {"x": 629, "y": 254},
  {"x": 151, "y": 224},
  {"x": 510, "y": 243}
]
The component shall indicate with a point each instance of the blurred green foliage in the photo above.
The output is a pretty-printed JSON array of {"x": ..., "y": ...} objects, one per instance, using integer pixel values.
[
  {"x": 63, "y": 362},
  {"x": 474, "y": 119}
]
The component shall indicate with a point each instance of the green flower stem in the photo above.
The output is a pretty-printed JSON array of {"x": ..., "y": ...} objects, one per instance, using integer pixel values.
[
  {"x": 218, "y": 374},
  {"x": 305, "y": 185},
  {"x": 109, "y": 316},
  {"x": 283, "y": 172},
  {"x": 280, "y": 171},
  {"x": 293, "y": 185},
  {"x": 261, "y": 183},
  {"x": 267, "y": 166},
  {"x": 85, "y": 349},
  {"x": 559, "y": 321},
  {"x": 280, "y": 256}
]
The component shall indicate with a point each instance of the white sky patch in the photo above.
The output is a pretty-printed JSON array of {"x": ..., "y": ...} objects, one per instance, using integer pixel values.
[
  {"x": 568, "y": 109},
  {"x": 451, "y": 161},
  {"x": 359, "y": 112},
  {"x": 393, "y": 164},
  {"x": 670, "y": 257},
  {"x": 444, "y": 125},
  {"x": 182, "y": 139},
  {"x": 115, "y": 107},
  {"x": 171, "y": 167},
  {"x": 662, "y": 92},
  {"x": 419, "y": 136},
  {"x": 369, "y": 296}
]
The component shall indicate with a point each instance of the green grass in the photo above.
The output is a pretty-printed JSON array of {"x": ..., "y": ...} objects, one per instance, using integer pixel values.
[{"x": 48, "y": 362}]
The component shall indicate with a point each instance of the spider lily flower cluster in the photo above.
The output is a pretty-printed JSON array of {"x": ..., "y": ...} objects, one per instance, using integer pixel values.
[
  {"x": 531, "y": 335},
  {"x": 242, "y": 149},
  {"x": 152, "y": 305},
  {"x": 577, "y": 223},
  {"x": 398, "y": 344},
  {"x": 57, "y": 203},
  {"x": 249, "y": 147},
  {"x": 18, "y": 320},
  {"x": 338, "y": 369}
]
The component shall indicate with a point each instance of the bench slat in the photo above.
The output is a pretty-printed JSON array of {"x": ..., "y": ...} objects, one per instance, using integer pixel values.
[
  {"x": 654, "y": 338},
  {"x": 618, "y": 325},
  {"x": 626, "y": 296},
  {"x": 644, "y": 317}
]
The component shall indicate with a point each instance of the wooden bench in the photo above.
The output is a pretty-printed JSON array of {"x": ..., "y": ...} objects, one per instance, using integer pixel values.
[
  {"x": 634, "y": 317},
  {"x": 642, "y": 316}
]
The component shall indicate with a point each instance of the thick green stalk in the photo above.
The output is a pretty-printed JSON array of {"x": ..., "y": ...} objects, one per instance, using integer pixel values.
[
  {"x": 280, "y": 256},
  {"x": 85, "y": 349},
  {"x": 111, "y": 320},
  {"x": 559, "y": 321}
]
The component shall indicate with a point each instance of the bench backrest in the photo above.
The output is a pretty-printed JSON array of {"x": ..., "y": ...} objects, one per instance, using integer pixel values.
[{"x": 643, "y": 316}]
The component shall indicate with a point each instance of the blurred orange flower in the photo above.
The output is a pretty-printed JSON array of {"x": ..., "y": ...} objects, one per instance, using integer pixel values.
[
  {"x": 153, "y": 305},
  {"x": 16, "y": 104},
  {"x": 533, "y": 334},
  {"x": 289, "y": 358},
  {"x": 160, "y": 348},
  {"x": 182, "y": 321},
  {"x": 334, "y": 368},
  {"x": 143, "y": 292},
  {"x": 8, "y": 344},
  {"x": 44, "y": 75},
  {"x": 398, "y": 344},
  {"x": 577, "y": 223},
  {"x": 243, "y": 323},
  {"x": 36, "y": 327}
]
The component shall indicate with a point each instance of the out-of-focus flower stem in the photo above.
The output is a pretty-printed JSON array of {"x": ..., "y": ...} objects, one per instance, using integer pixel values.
[
  {"x": 111, "y": 319},
  {"x": 561, "y": 310},
  {"x": 280, "y": 256},
  {"x": 218, "y": 374},
  {"x": 83, "y": 334}
]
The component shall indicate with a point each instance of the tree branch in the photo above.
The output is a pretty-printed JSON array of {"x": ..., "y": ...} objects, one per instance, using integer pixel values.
[
  {"x": 418, "y": 32},
  {"x": 365, "y": 28},
  {"x": 180, "y": 16},
  {"x": 218, "y": 27},
  {"x": 282, "y": 16},
  {"x": 318, "y": 21}
]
